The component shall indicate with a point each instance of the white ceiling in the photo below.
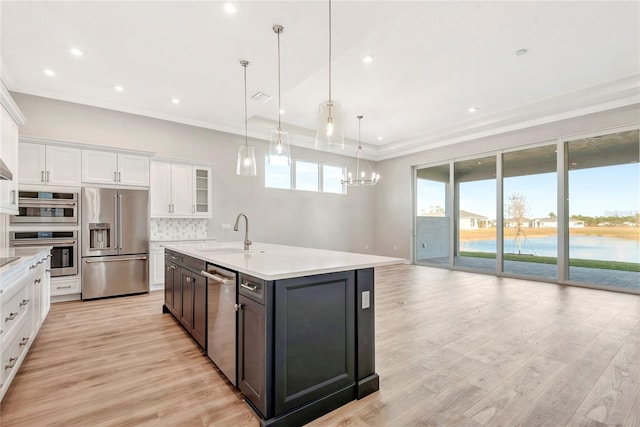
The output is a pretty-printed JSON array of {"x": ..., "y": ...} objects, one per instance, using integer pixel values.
[{"x": 432, "y": 61}]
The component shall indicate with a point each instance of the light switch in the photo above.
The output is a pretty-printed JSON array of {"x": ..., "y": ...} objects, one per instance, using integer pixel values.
[{"x": 366, "y": 302}]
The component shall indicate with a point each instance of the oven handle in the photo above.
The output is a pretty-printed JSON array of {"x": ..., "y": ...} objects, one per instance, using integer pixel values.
[
  {"x": 45, "y": 243},
  {"x": 46, "y": 202},
  {"x": 91, "y": 261}
]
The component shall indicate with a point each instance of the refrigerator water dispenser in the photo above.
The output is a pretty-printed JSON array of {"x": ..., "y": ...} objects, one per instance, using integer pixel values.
[{"x": 99, "y": 235}]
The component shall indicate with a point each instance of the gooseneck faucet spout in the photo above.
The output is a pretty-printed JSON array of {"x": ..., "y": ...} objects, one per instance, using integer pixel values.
[{"x": 247, "y": 242}]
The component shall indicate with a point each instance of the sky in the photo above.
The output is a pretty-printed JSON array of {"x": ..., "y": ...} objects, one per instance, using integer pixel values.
[{"x": 599, "y": 191}]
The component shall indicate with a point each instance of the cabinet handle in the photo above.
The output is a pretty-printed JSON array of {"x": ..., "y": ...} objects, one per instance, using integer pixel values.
[
  {"x": 11, "y": 364},
  {"x": 63, "y": 287},
  {"x": 47, "y": 270},
  {"x": 174, "y": 257},
  {"x": 239, "y": 307},
  {"x": 189, "y": 279},
  {"x": 248, "y": 286},
  {"x": 115, "y": 176},
  {"x": 13, "y": 197},
  {"x": 10, "y": 317},
  {"x": 37, "y": 281},
  {"x": 119, "y": 176},
  {"x": 24, "y": 302},
  {"x": 47, "y": 176},
  {"x": 42, "y": 176},
  {"x": 24, "y": 341}
]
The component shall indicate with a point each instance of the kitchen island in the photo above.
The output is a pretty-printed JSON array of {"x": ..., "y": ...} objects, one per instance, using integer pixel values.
[{"x": 304, "y": 322}]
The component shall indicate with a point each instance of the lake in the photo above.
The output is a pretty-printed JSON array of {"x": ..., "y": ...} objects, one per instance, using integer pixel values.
[{"x": 583, "y": 247}]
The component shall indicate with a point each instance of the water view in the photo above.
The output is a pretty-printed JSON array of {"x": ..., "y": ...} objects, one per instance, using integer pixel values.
[{"x": 582, "y": 247}]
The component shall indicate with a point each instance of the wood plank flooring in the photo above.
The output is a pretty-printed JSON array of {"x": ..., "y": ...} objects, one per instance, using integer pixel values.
[{"x": 453, "y": 349}]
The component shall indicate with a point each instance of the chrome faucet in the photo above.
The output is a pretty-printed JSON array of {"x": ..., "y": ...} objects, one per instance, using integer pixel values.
[{"x": 247, "y": 242}]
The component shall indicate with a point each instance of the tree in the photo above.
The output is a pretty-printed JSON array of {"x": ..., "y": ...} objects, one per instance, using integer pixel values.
[
  {"x": 552, "y": 215},
  {"x": 517, "y": 209}
]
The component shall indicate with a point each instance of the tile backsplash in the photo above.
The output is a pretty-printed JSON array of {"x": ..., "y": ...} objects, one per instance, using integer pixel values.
[{"x": 178, "y": 228}]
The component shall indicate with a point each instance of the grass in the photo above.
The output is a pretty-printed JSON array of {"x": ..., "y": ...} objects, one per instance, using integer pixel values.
[
  {"x": 573, "y": 262},
  {"x": 632, "y": 233}
]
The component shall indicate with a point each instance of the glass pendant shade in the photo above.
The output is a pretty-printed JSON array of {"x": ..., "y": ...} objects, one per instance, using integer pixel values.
[
  {"x": 279, "y": 148},
  {"x": 330, "y": 130},
  {"x": 246, "y": 164}
]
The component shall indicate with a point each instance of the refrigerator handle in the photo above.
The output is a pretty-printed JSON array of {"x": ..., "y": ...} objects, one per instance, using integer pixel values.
[
  {"x": 117, "y": 224},
  {"x": 119, "y": 221}
]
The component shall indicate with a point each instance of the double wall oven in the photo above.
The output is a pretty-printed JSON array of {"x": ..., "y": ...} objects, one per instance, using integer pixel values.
[
  {"x": 49, "y": 218},
  {"x": 64, "y": 254},
  {"x": 44, "y": 207}
]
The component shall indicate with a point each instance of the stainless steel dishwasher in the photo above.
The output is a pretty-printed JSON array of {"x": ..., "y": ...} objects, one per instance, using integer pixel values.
[{"x": 221, "y": 319}]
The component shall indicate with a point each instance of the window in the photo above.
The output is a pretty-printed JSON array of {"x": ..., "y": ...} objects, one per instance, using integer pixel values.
[
  {"x": 331, "y": 179},
  {"x": 276, "y": 176},
  {"x": 306, "y": 176},
  {"x": 309, "y": 176}
]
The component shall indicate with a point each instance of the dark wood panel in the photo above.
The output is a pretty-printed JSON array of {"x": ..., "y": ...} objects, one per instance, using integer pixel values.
[
  {"x": 252, "y": 351},
  {"x": 314, "y": 338}
]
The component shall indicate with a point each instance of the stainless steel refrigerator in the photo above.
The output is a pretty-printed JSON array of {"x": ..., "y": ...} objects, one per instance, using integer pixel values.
[{"x": 115, "y": 242}]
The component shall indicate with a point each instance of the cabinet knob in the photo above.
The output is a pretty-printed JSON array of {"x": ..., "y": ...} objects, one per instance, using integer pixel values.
[
  {"x": 11, "y": 364},
  {"x": 239, "y": 307}
]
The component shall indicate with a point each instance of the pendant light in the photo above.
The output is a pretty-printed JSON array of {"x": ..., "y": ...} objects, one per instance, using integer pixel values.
[
  {"x": 330, "y": 129},
  {"x": 246, "y": 164},
  {"x": 360, "y": 173},
  {"x": 279, "y": 148}
]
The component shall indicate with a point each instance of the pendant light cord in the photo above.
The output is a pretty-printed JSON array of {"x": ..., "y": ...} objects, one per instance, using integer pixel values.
[
  {"x": 244, "y": 65},
  {"x": 329, "y": 56},
  {"x": 279, "y": 94}
]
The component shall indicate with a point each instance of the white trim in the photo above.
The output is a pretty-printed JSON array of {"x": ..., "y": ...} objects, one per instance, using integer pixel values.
[
  {"x": 82, "y": 145},
  {"x": 9, "y": 104}
]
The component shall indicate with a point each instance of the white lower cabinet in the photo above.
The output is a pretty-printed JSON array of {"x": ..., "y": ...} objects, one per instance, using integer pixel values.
[
  {"x": 64, "y": 286},
  {"x": 24, "y": 304},
  {"x": 156, "y": 267}
]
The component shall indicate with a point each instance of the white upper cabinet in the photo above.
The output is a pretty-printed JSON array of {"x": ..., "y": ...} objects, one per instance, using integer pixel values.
[
  {"x": 44, "y": 164},
  {"x": 9, "y": 155},
  {"x": 180, "y": 190},
  {"x": 202, "y": 191},
  {"x": 107, "y": 167},
  {"x": 10, "y": 119}
]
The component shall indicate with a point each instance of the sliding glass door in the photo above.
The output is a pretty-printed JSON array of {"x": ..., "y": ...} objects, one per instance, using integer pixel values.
[
  {"x": 604, "y": 205},
  {"x": 475, "y": 188},
  {"x": 529, "y": 200},
  {"x": 433, "y": 215}
]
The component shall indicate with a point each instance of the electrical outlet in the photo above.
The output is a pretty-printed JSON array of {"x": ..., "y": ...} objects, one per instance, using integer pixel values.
[
  {"x": 225, "y": 226},
  {"x": 366, "y": 300}
]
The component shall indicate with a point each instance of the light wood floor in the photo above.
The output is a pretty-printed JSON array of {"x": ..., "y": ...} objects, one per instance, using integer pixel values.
[{"x": 453, "y": 349}]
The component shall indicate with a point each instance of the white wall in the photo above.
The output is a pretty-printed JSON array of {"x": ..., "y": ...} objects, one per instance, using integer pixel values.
[
  {"x": 298, "y": 218},
  {"x": 394, "y": 198}
]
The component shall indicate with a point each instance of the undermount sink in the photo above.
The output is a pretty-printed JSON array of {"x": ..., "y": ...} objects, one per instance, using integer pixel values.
[{"x": 223, "y": 251}]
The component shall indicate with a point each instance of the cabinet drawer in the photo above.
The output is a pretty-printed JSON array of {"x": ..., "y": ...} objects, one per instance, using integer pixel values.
[
  {"x": 253, "y": 288},
  {"x": 13, "y": 309},
  {"x": 13, "y": 353},
  {"x": 65, "y": 286}
]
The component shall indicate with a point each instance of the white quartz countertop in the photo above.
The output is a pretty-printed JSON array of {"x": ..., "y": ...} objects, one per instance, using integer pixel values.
[
  {"x": 273, "y": 262},
  {"x": 24, "y": 254}
]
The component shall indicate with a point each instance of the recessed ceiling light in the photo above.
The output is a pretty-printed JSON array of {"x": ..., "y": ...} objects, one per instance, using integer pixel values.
[
  {"x": 368, "y": 59},
  {"x": 118, "y": 88},
  {"x": 380, "y": 138},
  {"x": 521, "y": 52},
  {"x": 75, "y": 51},
  {"x": 49, "y": 72},
  {"x": 472, "y": 109},
  {"x": 230, "y": 8},
  {"x": 175, "y": 100},
  {"x": 282, "y": 111}
]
